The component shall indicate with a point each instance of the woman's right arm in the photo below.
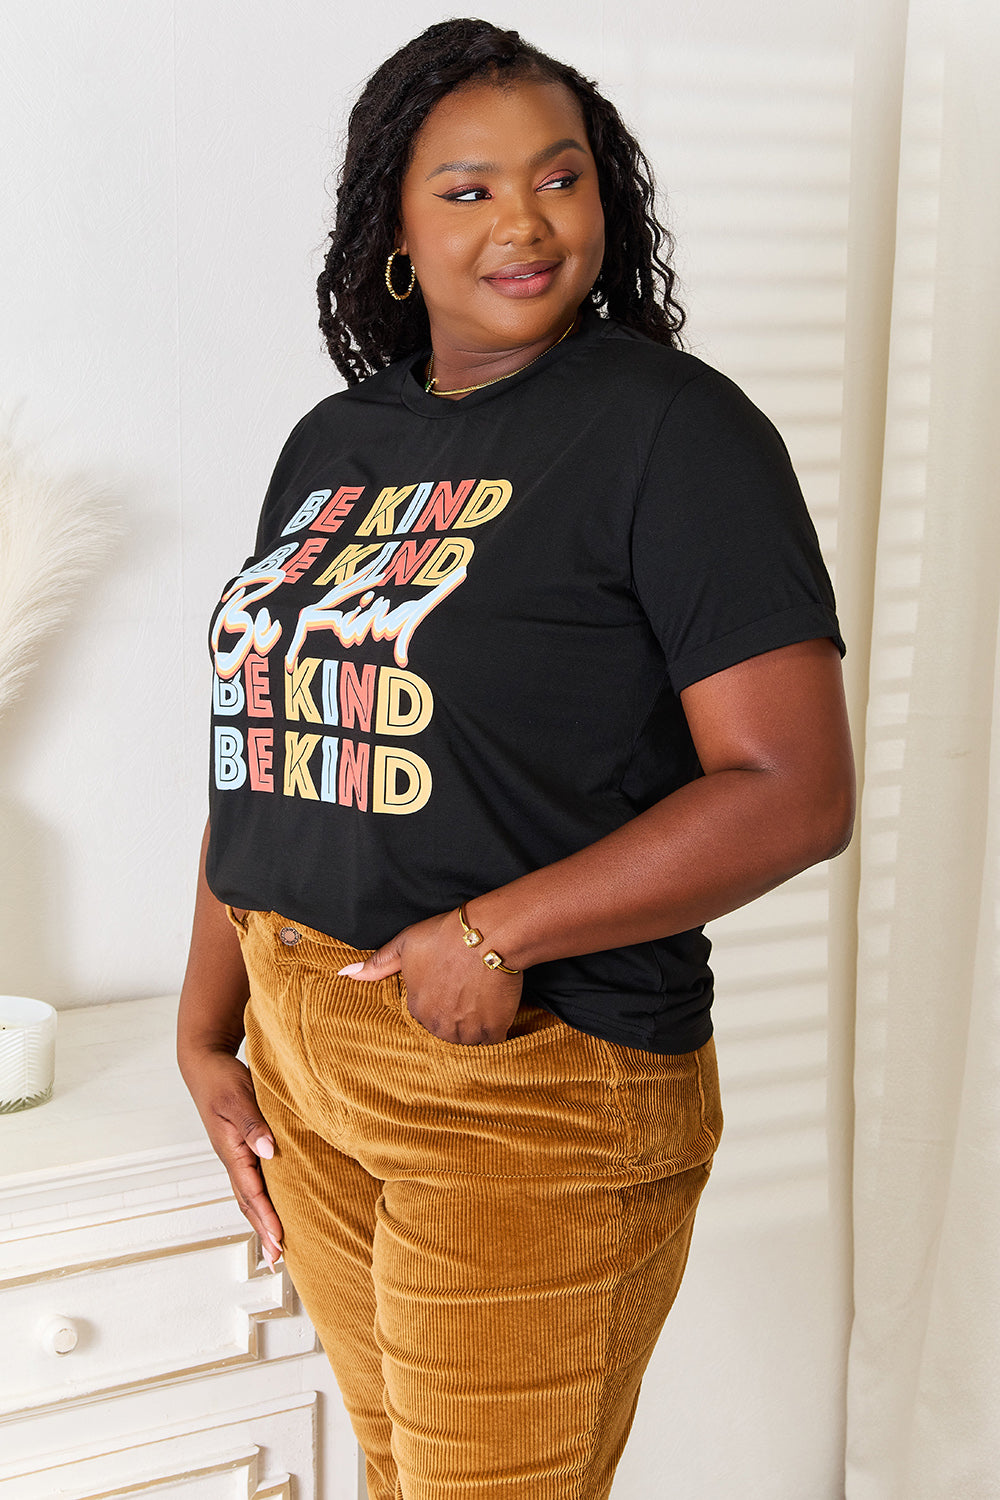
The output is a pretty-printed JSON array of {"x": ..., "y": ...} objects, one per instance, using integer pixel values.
[{"x": 209, "y": 1033}]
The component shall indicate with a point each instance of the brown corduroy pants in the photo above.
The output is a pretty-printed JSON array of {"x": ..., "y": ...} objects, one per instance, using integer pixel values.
[{"x": 487, "y": 1239}]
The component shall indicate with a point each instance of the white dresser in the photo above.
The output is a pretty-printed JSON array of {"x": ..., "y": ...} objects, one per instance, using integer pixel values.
[{"x": 145, "y": 1348}]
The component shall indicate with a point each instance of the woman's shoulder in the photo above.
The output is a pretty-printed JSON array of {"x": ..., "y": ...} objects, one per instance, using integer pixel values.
[
  {"x": 342, "y": 406},
  {"x": 638, "y": 369},
  {"x": 632, "y": 356}
]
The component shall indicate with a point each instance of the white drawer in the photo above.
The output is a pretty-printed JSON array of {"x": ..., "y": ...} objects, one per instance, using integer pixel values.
[
  {"x": 266, "y": 1451},
  {"x": 128, "y": 1322},
  {"x": 193, "y": 1373}
]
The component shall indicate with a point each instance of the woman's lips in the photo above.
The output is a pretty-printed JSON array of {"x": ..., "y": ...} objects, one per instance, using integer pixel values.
[{"x": 524, "y": 280}]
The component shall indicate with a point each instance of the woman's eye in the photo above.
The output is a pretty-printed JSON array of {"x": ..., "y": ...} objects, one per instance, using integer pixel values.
[
  {"x": 565, "y": 179},
  {"x": 464, "y": 195}
]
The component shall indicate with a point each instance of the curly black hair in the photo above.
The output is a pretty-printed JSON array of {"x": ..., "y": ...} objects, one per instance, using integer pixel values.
[{"x": 363, "y": 327}]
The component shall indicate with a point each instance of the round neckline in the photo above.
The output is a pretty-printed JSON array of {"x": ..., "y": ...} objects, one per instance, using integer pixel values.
[{"x": 426, "y": 405}]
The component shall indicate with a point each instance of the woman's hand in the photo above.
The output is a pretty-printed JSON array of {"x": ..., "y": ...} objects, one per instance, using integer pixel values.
[
  {"x": 209, "y": 1032},
  {"x": 222, "y": 1089},
  {"x": 449, "y": 990}
]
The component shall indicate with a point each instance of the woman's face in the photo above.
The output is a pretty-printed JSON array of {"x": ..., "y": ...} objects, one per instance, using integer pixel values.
[{"x": 501, "y": 216}]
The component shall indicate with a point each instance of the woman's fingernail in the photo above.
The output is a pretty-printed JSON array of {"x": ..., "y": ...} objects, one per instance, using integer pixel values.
[
  {"x": 351, "y": 970},
  {"x": 264, "y": 1148},
  {"x": 267, "y": 1256}
]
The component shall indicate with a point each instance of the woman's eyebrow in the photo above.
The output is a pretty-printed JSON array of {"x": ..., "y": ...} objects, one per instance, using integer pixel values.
[{"x": 538, "y": 160}]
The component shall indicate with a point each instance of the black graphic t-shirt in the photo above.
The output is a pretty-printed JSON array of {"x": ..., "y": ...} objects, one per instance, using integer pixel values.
[{"x": 457, "y": 650}]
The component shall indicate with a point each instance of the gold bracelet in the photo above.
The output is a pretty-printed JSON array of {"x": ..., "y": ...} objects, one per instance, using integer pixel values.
[{"x": 472, "y": 937}]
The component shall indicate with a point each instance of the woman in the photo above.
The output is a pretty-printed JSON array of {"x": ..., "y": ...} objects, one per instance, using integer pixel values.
[{"x": 533, "y": 670}]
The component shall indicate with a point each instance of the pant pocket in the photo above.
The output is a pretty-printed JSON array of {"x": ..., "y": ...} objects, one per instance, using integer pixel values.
[{"x": 531, "y": 1028}]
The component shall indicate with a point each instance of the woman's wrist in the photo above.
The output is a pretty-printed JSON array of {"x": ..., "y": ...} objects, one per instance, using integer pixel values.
[
  {"x": 473, "y": 938},
  {"x": 500, "y": 918}
]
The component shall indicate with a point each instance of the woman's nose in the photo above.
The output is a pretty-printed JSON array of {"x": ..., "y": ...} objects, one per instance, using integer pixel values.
[{"x": 519, "y": 220}]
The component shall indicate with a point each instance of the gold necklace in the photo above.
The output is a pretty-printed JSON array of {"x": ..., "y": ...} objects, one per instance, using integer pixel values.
[{"x": 467, "y": 389}]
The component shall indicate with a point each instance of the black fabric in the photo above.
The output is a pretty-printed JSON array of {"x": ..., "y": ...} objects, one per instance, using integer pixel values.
[{"x": 494, "y": 683}]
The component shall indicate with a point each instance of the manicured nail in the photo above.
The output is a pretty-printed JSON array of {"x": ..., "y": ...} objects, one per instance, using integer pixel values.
[
  {"x": 351, "y": 970},
  {"x": 267, "y": 1256},
  {"x": 272, "y": 1241},
  {"x": 264, "y": 1148}
]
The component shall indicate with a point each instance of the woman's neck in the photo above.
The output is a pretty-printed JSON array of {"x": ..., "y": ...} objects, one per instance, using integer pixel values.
[{"x": 453, "y": 372}]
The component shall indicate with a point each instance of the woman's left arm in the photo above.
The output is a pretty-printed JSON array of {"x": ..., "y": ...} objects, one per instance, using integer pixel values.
[{"x": 777, "y": 796}]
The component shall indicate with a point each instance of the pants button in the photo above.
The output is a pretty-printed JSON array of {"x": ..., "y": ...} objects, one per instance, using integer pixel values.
[{"x": 290, "y": 936}]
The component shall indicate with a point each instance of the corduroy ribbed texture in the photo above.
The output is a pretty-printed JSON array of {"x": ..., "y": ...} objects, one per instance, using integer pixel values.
[{"x": 487, "y": 1239}]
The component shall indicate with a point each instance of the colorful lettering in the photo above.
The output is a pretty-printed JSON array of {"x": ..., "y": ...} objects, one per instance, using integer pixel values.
[
  {"x": 307, "y": 511},
  {"x": 414, "y": 508},
  {"x": 357, "y": 606},
  {"x": 328, "y": 771},
  {"x": 373, "y": 616},
  {"x": 298, "y": 748},
  {"x": 260, "y": 754},
  {"x": 304, "y": 558},
  {"x": 352, "y": 781},
  {"x": 356, "y": 695},
  {"x": 230, "y": 767},
  {"x": 299, "y": 701},
  {"x": 256, "y": 632},
  {"x": 382, "y": 517},
  {"x": 454, "y": 552},
  {"x": 405, "y": 702},
  {"x": 269, "y": 564},
  {"x": 346, "y": 564},
  {"x": 443, "y": 506},
  {"x": 488, "y": 499},
  {"x": 331, "y": 711},
  {"x": 405, "y": 561},
  {"x": 227, "y": 697},
  {"x": 259, "y": 704},
  {"x": 340, "y": 506},
  {"x": 401, "y": 781}
]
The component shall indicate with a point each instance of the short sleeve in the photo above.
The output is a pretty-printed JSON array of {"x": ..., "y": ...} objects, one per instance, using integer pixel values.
[{"x": 725, "y": 558}]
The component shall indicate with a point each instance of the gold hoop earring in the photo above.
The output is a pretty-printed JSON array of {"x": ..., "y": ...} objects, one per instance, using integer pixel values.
[{"x": 399, "y": 296}]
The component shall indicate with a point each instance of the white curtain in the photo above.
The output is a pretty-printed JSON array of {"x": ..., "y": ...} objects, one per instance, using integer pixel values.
[{"x": 922, "y": 455}]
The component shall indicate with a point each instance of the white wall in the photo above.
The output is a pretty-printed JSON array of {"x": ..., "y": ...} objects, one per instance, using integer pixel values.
[{"x": 162, "y": 183}]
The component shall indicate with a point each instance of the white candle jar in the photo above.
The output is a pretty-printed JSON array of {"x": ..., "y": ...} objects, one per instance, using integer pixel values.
[{"x": 27, "y": 1052}]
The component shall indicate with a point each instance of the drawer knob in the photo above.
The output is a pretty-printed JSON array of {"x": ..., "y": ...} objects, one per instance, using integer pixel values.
[{"x": 59, "y": 1335}]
